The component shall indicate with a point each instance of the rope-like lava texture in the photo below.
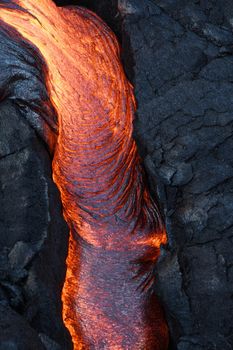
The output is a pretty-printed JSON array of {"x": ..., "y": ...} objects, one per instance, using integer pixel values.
[{"x": 115, "y": 227}]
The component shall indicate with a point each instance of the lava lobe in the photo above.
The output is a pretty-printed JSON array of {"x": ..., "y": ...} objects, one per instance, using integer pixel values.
[{"x": 115, "y": 227}]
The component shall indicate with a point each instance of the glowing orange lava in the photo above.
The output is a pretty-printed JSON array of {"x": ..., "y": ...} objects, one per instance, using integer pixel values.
[{"x": 115, "y": 229}]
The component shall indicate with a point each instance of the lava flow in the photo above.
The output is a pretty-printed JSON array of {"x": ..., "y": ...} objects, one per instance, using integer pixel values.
[{"x": 115, "y": 228}]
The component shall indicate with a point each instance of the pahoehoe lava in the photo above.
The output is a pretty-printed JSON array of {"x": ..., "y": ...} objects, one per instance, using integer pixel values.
[{"x": 115, "y": 226}]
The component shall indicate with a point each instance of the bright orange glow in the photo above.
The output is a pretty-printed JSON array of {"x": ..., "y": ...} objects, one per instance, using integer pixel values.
[{"x": 115, "y": 228}]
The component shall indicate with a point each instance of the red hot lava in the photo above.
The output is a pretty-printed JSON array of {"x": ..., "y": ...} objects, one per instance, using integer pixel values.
[{"x": 115, "y": 229}]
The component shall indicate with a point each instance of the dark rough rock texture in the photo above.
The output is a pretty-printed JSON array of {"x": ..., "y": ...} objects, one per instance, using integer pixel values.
[
  {"x": 16, "y": 334},
  {"x": 33, "y": 233},
  {"x": 181, "y": 65},
  {"x": 178, "y": 54}
]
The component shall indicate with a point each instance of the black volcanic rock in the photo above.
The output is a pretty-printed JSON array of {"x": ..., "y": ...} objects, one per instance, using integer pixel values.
[
  {"x": 16, "y": 333},
  {"x": 182, "y": 72},
  {"x": 34, "y": 235}
]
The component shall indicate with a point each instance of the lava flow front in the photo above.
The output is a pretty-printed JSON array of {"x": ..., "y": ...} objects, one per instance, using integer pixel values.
[{"x": 115, "y": 229}]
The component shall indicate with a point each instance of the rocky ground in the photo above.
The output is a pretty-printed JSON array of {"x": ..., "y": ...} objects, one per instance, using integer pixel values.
[
  {"x": 181, "y": 65},
  {"x": 178, "y": 55},
  {"x": 33, "y": 240},
  {"x": 33, "y": 233}
]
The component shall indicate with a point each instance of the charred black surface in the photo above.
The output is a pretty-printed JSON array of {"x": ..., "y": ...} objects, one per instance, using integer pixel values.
[
  {"x": 33, "y": 239},
  {"x": 182, "y": 72}
]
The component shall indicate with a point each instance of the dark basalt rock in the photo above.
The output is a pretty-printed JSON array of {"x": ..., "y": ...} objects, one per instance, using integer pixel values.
[
  {"x": 182, "y": 73},
  {"x": 34, "y": 234},
  {"x": 16, "y": 333}
]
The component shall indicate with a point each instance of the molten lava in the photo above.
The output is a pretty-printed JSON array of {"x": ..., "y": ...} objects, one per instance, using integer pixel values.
[{"x": 115, "y": 229}]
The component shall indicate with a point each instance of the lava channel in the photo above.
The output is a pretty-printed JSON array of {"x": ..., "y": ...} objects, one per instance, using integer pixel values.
[{"x": 115, "y": 227}]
